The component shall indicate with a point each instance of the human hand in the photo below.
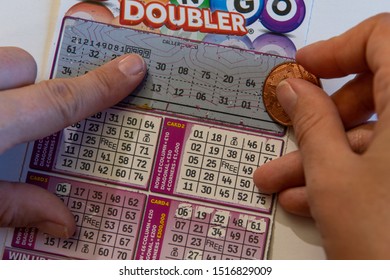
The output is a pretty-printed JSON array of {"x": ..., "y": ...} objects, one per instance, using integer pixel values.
[
  {"x": 31, "y": 111},
  {"x": 340, "y": 178}
]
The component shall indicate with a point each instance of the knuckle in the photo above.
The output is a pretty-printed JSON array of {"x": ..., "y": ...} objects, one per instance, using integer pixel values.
[
  {"x": 102, "y": 82},
  {"x": 63, "y": 97},
  {"x": 305, "y": 125},
  {"x": 382, "y": 88},
  {"x": 7, "y": 216}
]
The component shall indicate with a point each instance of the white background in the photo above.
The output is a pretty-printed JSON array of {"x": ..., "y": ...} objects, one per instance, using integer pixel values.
[{"x": 31, "y": 24}]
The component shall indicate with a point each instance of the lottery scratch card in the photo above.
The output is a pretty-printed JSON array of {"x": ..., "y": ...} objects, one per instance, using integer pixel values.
[
  {"x": 183, "y": 230},
  {"x": 167, "y": 173}
]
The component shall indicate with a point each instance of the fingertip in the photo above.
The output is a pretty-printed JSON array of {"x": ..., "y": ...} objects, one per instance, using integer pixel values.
[
  {"x": 295, "y": 201},
  {"x": 132, "y": 65},
  {"x": 25, "y": 205},
  {"x": 62, "y": 230},
  {"x": 17, "y": 68},
  {"x": 260, "y": 179}
]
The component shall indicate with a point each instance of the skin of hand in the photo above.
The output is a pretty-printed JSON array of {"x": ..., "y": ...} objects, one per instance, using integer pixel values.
[
  {"x": 340, "y": 173},
  {"x": 31, "y": 111}
]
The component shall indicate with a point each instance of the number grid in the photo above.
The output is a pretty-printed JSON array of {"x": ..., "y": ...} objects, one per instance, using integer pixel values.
[
  {"x": 107, "y": 222},
  {"x": 212, "y": 234},
  {"x": 219, "y": 165},
  {"x": 113, "y": 145}
]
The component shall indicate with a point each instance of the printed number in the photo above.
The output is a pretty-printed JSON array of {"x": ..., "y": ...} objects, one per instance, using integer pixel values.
[
  {"x": 235, "y": 235},
  {"x": 216, "y": 137},
  {"x": 196, "y": 147},
  {"x": 91, "y": 140},
  {"x": 198, "y": 228},
  {"x": 254, "y": 239},
  {"x": 183, "y": 212},
  {"x": 180, "y": 225},
  {"x": 71, "y": 49},
  {"x": 193, "y": 160},
  {"x": 114, "y": 118},
  {"x": 130, "y": 215},
  {"x": 206, "y": 75},
  {"x": 73, "y": 137},
  {"x": 132, "y": 121},
  {"x": 156, "y": 87},
  {"x": 183, "y": 70},
  {"x": 188, "y": 186},
  {"x": 228, "y": 79},
  {"x": 67, "y": 162},
  {"x": 261, "y": 200},
  {"x": 232, "y": 248},
  {"x": 250, "y": 83},
  {"x": 179, "y": 91},
  {"x": 242, "y": 196},
  {"x": 103, "y": 170},
  {"x": 138, "y": 176},
  {"x": 223, "y": 100},
  {"x": 246, "y": 105},
  {"x": 122, "y": 255},
  {"x": 50, "y": 241},
  {"x": 94, "y": 54},
  {"x": 206, "y": 189},
  {"x": 201, "y": 96},
  {"x": 133, "y": 202},
  {"x": 106, "y": 238},
  {"x": 198, "y": 134},
  {"x": 93, "y": 127},
  {"x": 270, "y": 148},
  {"x": 67, "y": 244},
  {"x": 66, "y": 71},
  {"x": 103, "y": 252},
  {"x": 193, "y": 255},
  {"x": 149, "y": 124},
  {"x": 196, "y": 241},
  {"x": 177, "y": 238},
  {"x": 161, "y": 66},
  {"x": 224, "y": 193},
  {"x": 124, "y": 241}
]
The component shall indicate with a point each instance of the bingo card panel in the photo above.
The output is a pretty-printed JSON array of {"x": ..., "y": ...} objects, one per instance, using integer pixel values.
[
  {"x": 190, "y": 78},
  {"x": 213, "y": 164},
  {"x": 108, "y": 221},
  {"x": 113, "y": 145},
  {"x": 183, "y": 230}
]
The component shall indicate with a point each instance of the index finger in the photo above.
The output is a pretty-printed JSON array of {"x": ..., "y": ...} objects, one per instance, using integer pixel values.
[{"x": 365, "y": 47}]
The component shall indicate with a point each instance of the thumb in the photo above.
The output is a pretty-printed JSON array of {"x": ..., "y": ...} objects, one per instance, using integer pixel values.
[
  {"x": 59, "y": 103},
  {"x": 318, "y": 127},
  {"x": 24, "y": 205}
]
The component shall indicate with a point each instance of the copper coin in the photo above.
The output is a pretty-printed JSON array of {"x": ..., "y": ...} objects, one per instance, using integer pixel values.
[{"x": 278, "y": 74}]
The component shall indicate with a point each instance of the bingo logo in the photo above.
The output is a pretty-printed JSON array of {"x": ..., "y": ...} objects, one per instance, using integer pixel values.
[
  {"x": 215, "y": 16},
  {"x": 280, "y": 16},
  {"x": 176, "y": 17}
]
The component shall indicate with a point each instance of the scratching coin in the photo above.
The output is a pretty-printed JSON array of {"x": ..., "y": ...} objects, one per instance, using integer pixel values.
[{"x": 278, "y": 74}]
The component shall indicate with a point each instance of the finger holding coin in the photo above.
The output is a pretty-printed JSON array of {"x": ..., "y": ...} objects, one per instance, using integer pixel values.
[{"x": 279, "y": 73}]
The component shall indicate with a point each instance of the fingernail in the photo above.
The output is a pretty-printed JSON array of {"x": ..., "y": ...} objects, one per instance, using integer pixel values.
[
  {"x": 132, "y": 65},
  {"x": 54, "y": 229},
  {"x": 287, "y": 97}
]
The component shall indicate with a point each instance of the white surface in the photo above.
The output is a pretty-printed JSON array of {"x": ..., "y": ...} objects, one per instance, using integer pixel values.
[{"x": 30, "y": 25}]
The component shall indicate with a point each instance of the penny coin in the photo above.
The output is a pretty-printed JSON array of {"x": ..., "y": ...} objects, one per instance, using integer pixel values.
[{"x": 278, "y": 74}]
